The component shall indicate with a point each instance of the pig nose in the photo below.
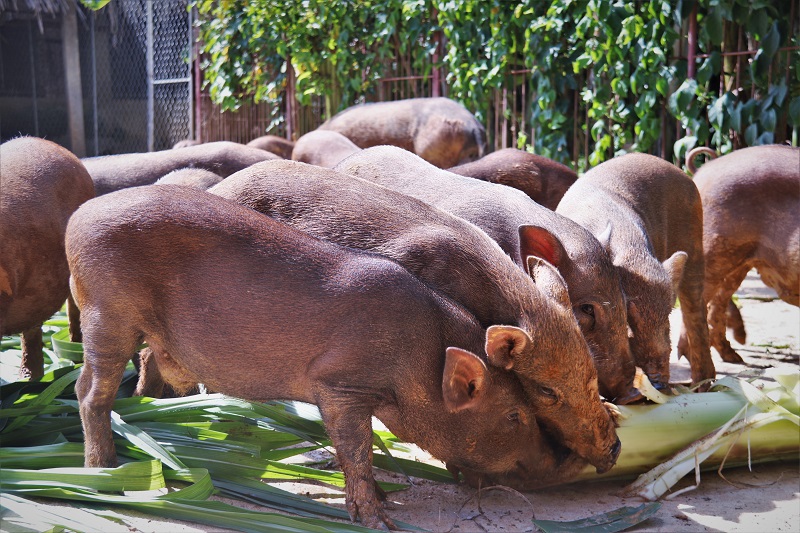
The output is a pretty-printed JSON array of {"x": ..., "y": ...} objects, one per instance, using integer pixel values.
[{"x": 612, "y": 459}]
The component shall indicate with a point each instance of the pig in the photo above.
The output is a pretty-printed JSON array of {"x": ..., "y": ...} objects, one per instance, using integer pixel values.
[
  {"x": 533, "y": 330},
  {"x": 323, "y": 148},
  {"x": 191, "y": 177},
  {"x": 114, "y": 172},
  {"x": 439, "y": 130},
  {"x": 350, "y": 331},
  {"x": 543, "y": 179},
  {"x": 751, "y": 219},
  {"x": 523, "y": 228},
  {"x": 656, "y": 241},
  {"x": 41, "y": 185},
  {"x": 272, "y": 143}
]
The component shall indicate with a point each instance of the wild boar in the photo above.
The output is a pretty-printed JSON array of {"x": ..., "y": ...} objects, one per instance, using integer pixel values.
[
  {"x": 41, "y": 184},
  {"x": 323, "y": 148},
  {"x": 439, "y": 130},
  {"x": 114, "y": 172},
  {"x": 531, "y": 326},
  {"x": 543, "y": 179},
  {"x": 524, "y": 228},
  {"x": 751, "y": 219},
  {"x": 656, "y": 242},
  {"x": 352, "y": 332}
]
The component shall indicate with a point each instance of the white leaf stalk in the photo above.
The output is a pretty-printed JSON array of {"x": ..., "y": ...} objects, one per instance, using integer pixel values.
[{"x": 758, "y": 410}]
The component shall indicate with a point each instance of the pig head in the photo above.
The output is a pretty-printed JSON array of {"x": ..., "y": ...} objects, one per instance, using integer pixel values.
[
  {"x": 439, "y": 130},
  {"x": 41, "y": 184},
  {"x": 352, "y": 332},
  {"x": 114, "y": 172},
  {"x": 523, "y": 228},
  {"x": 751, "y": 219},
  {"x": 543, "y": 179},
  {"x": 649, "y": 216}
]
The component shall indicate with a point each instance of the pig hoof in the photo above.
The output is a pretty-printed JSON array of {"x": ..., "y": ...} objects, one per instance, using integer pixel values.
[{"x": 729, "y": 355}]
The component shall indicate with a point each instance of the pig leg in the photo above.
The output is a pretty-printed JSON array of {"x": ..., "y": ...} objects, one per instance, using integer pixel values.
[
  {"x": 74, "y": 315},
  {"x": 695, "y": 323},
  {"x": 32, "y": 365},
  {"x": 349, "y": 425},
  {"x": 150, "y": 381},
  {"x": 717, "y": 311},
  {"x": 736, "y": 323},
  {"x": 104, "y": 365}
]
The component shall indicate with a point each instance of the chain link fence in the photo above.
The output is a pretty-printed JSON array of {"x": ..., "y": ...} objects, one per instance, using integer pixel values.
[{"x": 135, "y": 75}]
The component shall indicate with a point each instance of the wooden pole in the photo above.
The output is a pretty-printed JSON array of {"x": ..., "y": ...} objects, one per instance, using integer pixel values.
[{"x": 72, "y": 75}]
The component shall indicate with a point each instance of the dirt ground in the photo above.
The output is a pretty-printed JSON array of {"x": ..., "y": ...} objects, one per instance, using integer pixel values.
[{"x": 762, "y": 500}]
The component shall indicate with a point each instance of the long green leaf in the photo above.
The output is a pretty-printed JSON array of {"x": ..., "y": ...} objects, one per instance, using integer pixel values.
[{"x": 144, "y": 475}]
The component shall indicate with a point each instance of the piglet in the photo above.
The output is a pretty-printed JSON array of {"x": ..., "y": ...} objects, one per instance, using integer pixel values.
[
  {"x": 751, "y": 219},
  {"x": 648, "y": 214},
  {"x": 41, "y": 184}
]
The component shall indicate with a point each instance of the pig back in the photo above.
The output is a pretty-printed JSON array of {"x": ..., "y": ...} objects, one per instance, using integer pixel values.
[{"x": 114, "y": 172}]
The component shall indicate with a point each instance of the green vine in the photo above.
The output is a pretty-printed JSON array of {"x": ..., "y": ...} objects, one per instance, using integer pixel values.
[{"x": 607, "y": 76}]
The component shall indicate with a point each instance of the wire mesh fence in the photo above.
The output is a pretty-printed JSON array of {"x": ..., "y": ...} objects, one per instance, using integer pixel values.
[{"x": 135, "y": 76}]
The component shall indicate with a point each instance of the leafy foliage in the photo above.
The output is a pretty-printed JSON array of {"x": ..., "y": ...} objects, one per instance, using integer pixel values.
[{"x": 605, "y": 76}]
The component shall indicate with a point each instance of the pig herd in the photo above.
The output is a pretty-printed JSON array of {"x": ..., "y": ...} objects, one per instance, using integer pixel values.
[{"x": 491, "y": 309}]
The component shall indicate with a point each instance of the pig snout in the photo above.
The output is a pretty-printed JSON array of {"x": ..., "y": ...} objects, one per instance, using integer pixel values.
[{"x": 611, "y": 459}]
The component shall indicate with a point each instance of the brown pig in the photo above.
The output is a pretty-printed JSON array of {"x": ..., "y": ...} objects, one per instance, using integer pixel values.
[
  {"x": 531, "y": 330},
  {"x": 114, "y": 172},
  {"x": 323, "y": 148},
  {"x": 352, "y": 332},
  {"x": 272, "y": 143},
  {"x": 656, "y": 242},
  {"x": 41, "y": 184},
  {"x": 543, "y": 179},
  {"x": 439, "y": 130},
  {"x": 751, "y": 219},
  {"x": 524, "y": 228}
]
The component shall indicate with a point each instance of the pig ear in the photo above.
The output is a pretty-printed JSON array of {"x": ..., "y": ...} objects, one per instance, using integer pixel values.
[
  {"x": 504, "y": 344},
  {"x": 674, "y": 267},
  {"x": 605, "y": 237},
  {"x": 548, "y": 280},
  {"x": 464, "y": 381},
  {"x": 539, "y": 242}
]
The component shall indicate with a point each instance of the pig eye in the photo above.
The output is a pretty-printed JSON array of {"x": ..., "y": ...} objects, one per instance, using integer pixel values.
[
  {"x": 547, "y": 391},
  {"x": 588, "y": 309},
  {"x": 513, "y": 416}
]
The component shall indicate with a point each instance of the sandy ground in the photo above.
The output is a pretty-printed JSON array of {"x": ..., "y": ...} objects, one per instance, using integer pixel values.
[{"x": 764, "y": 499}]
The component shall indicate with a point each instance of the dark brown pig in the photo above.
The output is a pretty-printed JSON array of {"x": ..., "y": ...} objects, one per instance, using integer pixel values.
[
  {"x": 543, "y": 179},
  {"x": 439, "y": 130},
  {"x": 656, "y": 242},
  {"x": 41, "y": 184},
  {"x": 751, "y": 219},
  {"x": 272, "y": 143},
  {"x": 524, "y": 228},
  {"x": 530, "y": 332},
  {"x": 323, "y": 148},
  {"x": 198, "y": 178},
  {"x": 350, "y": 331},
  {"x": 114, "y": 172}
]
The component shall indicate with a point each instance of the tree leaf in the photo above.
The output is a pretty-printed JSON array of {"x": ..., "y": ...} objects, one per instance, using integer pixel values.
[{"x": 610, "y": 522}]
